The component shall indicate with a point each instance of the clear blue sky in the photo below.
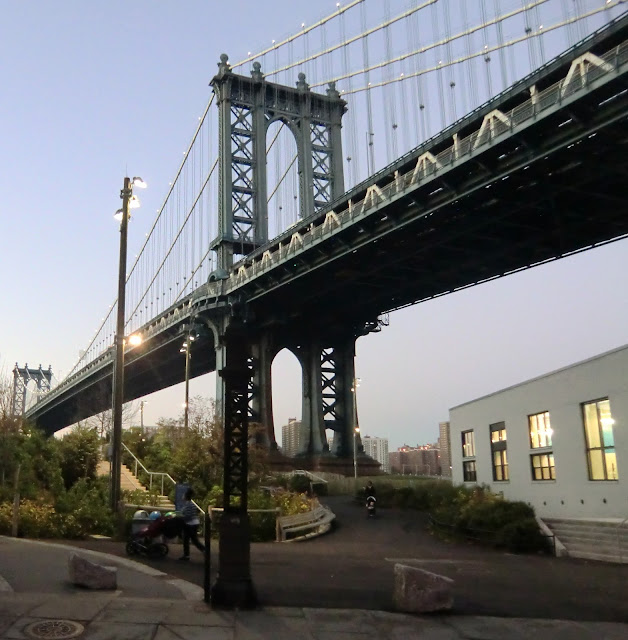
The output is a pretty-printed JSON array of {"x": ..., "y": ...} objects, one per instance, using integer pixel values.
[{"x": 93, "y": 91}]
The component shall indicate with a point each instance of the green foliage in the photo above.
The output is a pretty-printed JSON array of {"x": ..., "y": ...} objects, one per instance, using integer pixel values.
[
  {"x": 473, "y": 513},
  {"x": 81, "y": 511},
  {"x": 79, "y": 454},
  {"x": 299, "y": 484}
]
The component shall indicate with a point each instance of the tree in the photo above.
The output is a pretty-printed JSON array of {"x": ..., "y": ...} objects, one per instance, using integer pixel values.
[{"x": 79, "y": 454}]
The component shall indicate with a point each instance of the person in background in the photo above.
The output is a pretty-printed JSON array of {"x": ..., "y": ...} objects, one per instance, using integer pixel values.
[
  {"x": 369, "y": 490},
  {"x": 191, "y": 522}
]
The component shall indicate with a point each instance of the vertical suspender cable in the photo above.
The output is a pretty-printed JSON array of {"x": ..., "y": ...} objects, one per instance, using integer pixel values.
[
  {"x": 500, "y": 41},
  {"x": 369, "y": 108},
  {"x": 450, "y": 66},
  {"x": 487, "y": 57},
  {"x": 439, "y": 72}
]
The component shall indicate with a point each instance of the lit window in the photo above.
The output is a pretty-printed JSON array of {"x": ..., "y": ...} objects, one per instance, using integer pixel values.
[
  {"x": 468, "y": 451},
  {"x": 600, "y": 441},
  {"x": 540, "y": 430},
  {"x": 499, "y": 451},
  {"x": 468, "y": 444},
  {"x": 543, "y": 466}
]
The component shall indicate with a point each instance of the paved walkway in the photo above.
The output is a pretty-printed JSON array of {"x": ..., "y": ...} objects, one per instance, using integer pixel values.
[
  {"x": 94, "y": 616},
  {"x": 155, "y": 601}
]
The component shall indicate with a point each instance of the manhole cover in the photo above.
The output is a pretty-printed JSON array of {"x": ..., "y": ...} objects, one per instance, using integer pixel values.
[{"x": 54, "y": 629}]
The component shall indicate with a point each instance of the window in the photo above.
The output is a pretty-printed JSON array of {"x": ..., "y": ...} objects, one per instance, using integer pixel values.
[
  {"x": 540, "y": 430},
  {"x": 499, "y": 453},
  {"x": 598, "y": 431},
  {"x": 543, "y": 466},
  {"x": 468, "y": 451},
  {"x": 468, "y": 471},
  {"x": 468, "y": 444}
]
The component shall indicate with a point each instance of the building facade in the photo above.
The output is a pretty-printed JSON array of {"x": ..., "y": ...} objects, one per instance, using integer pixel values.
[
  {"x": 558, "y": 442},
  {"x": 377, "y": 448},
  {"x": 444, "y": 446},
  {"x": 294, "y": 438},
  {"x": 422, "y": 460}
]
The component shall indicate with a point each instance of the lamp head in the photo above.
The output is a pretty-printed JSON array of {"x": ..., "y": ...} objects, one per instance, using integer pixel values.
[{"x": 138, "y": 182}]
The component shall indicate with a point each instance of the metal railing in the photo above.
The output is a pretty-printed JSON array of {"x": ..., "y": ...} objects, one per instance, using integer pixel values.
[{"x": 151, "y": 474}]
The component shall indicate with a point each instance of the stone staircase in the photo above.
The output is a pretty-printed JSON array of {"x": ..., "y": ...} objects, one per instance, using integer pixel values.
[
  {"x": 128, "y": 482},
  {"x": 604, "y": 539}
]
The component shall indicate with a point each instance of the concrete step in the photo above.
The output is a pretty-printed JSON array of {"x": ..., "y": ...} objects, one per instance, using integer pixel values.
[
  {"x": 128, "y": 482},
  {"x": 600, "y": 557},
  {"x": 602, "y": 540}
]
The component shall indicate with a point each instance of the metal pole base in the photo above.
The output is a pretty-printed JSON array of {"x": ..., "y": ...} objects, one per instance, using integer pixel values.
[{"x": 234, "y": 588}]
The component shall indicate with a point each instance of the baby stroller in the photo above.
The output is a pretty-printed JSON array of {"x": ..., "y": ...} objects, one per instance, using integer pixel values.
[{"x": 151, "y": 539}]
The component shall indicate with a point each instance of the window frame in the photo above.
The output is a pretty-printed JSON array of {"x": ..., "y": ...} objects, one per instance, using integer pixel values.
[
  {"x": 468, "y": 458},
  {"x": 499, "y": 446},
  {"x": 548, "y": 425},
  {"x": 550, "y": 467},
  {"x": 602, "y": 448}
]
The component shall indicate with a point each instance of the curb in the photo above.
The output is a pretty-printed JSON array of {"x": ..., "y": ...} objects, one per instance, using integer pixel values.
[{"x": 188, "y": 590}]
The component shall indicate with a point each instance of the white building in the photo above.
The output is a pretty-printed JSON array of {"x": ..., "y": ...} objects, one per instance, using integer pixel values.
[
  {"x": 558, "y": 442},
  {"x": 377, "y": 448}
]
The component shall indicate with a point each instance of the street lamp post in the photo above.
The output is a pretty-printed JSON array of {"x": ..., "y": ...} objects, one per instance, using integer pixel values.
[
  {"x": 142, "y": 403},
  {"x": 128, "y": 201},
  {"x": 356, "y": 430},
  {"x": 186, "y": 349}
]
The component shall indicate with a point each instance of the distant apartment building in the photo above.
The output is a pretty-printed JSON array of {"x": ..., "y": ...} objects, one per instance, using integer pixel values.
[
  {"x": 444, "y": 444},
  {"x": 377, "y": 448},
  {"x": 293, "y": 438},
  {"x": 422, "y": 460}
]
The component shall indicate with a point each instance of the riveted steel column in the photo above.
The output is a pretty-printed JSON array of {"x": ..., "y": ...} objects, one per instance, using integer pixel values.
[
  {"x": 261, "y": 409},
  {"x": 234, "y": 587},
  {"x": 222, "y": 89},
  {"x": 312, "y": 407}
]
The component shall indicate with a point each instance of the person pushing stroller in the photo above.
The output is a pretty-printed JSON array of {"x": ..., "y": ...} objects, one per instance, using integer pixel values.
[{"x": 191, "y": 522}]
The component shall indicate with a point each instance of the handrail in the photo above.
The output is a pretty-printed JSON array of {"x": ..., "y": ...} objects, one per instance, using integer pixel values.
[
  {"x": 151, "y": 473},
  {"x": 314, "y": 479},
  {"x": 619, "y": 540}
]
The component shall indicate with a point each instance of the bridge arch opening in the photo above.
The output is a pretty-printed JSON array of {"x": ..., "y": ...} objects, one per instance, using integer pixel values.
[
  {"x": 282, "y": 178},
  {"x": 287, "y": 384}
]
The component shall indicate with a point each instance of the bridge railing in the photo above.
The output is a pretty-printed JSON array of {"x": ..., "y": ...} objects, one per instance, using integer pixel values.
[{"x": 430, "y": 165}]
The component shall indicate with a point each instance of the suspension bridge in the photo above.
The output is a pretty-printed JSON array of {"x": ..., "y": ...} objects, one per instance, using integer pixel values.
[{"x": 383, "y": 156}]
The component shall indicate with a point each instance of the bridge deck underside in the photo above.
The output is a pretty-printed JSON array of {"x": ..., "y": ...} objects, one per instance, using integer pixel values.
[{"x": 553, "y": 189}]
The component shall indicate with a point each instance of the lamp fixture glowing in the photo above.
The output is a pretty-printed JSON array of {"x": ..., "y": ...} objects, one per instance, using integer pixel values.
[
  {"x": 134, "y": 202},
  {"x": 139, "y": 183},
  {"x": 135, "y": 339},
  {"x": 118, "y": 215}
]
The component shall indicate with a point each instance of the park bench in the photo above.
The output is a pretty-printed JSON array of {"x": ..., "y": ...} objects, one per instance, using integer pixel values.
[{"x": 306, "y": 525}]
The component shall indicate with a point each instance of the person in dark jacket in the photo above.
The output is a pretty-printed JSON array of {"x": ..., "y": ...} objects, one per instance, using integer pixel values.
[{"x": 191, "y": 522}]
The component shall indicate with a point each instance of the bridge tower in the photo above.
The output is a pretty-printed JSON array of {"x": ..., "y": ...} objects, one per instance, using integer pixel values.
[
  {"x": 21, "y": 378},
  {"x": 247, "y": 106}
]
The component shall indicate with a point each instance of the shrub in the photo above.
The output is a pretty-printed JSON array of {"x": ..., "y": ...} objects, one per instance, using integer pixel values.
[
  {"x": 299, "y": 484},
  {"x": 522, "y": 536}
]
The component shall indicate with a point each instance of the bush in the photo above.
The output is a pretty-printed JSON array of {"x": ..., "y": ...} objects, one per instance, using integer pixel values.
[
  {"x": 522, "y": 536},
  {"x": 81, "y": 511},
  {"x": 299, "y": 484}
]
